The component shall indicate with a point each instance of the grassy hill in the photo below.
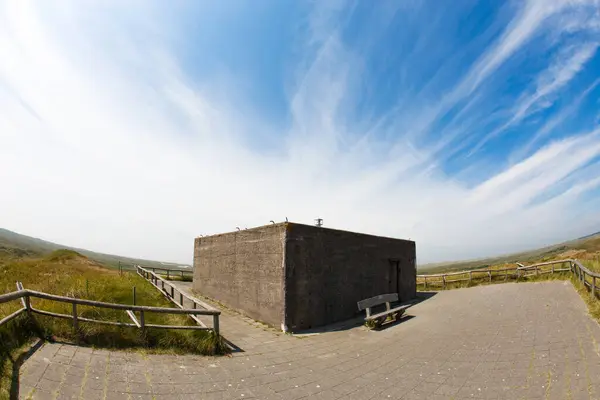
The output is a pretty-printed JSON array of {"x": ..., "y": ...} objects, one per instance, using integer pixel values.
[
  {"x": 587, "y": 247},
  {"x": 14, "y": 245}
]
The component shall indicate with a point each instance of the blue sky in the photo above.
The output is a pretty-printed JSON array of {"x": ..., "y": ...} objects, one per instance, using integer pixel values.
[{"x": 132, "y": 127}]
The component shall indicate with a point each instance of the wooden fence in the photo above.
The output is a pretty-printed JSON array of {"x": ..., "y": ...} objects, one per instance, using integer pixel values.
[
  {"x": 26, "y": 295},
  {"x": 170, "y": 272},
  {"x": 587, "y": 277},
  {"x": 172, "y": 293}
]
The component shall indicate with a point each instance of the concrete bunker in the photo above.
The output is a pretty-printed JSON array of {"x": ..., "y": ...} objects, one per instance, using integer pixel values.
[{"x": 297, "y": 276}]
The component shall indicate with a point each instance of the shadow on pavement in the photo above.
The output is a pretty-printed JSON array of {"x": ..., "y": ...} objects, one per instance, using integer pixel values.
[
  {"x": 233, "y": 347},
  {"x": 422, "y": 296},
  {"x": 16, "y": 366}
]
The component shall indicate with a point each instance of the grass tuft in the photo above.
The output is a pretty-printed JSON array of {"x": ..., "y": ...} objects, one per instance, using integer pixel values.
[{"x": 63, "y": 255}]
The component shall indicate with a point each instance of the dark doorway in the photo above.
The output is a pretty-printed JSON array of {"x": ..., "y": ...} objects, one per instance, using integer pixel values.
[{"x": 395, "y": 276}]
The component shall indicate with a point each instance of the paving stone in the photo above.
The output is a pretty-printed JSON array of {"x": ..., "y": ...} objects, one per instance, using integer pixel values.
[
  {"x": 68, "y": 392},
  {"x": 46, "y": 385},
  {"x": 39, "y": 394},
  {"x": 92, "y": 394}
]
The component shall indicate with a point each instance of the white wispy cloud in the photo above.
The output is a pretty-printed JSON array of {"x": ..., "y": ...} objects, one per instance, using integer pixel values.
[
  {"x": 110, "y": 145},
  {"x": 561, "y": 71}
]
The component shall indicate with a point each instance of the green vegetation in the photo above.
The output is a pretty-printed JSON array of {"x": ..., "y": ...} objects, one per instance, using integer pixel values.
[
  {"x": 63, "y": 255},
  {"x": 592, "y": 303},
  {"x": 68, "y": 273}
]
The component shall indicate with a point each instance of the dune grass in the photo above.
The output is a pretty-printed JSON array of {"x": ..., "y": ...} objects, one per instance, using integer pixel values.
[{"x": 67, "y": 273}]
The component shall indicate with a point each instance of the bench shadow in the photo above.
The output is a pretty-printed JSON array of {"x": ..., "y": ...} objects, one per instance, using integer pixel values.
[
  {"x": 16, "y": 367},
  {"x": 394, "y": 323}
]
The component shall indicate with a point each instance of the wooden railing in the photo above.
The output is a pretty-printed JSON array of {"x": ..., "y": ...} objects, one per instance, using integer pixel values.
[
  {"x": 587, "y": 277},
  {"x": 172, "y": 293},
  {"x": 26, "y": 295},
  {"x": 170, "y": 272}
]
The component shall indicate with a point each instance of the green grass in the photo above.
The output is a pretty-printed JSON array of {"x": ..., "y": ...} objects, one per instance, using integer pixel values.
[
  {"x": 592, "y": 303},
  {"x": 67, "y": 273}
]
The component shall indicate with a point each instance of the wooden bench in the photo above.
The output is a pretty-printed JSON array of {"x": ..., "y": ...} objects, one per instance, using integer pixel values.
[{"x": 376, "y": 320}]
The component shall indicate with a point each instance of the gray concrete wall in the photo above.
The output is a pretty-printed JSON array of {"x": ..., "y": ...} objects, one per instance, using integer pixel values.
[
  {"x": 244, "y": 271},
  {"x": 328, "y": 271}
]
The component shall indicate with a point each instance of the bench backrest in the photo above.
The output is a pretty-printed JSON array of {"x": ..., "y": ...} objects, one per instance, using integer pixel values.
[{"x": 377, "y": 300}]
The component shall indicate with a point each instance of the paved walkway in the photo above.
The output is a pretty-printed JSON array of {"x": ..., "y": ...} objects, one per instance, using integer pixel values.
[{"x": 508, "y": 341}]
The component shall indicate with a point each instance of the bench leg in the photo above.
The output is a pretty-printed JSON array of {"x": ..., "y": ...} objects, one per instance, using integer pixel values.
[{"x": 398, "y": 315}]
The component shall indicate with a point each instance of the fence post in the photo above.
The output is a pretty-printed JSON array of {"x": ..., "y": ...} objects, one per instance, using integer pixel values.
[
  {"x": 537, "y": 270},
  {"x": 593, "y": 286},
  {"x": 181, "y": 275},
  {"x": 75, "y": 320},
  {"x": 28, "y": 305},
  {"x": 134, "y": 295},
  {"x": 143, "y": 324},
  {"x": 181, "y": 299},
  {"x": 425, "y": 282},
  {"x": 444, "y": 279},
  {"x": 216, "y": 323},
  {"x": 470, "y": 276},
  {"x": 172, "y": 292},
  {"x": 490, "y": 275}
]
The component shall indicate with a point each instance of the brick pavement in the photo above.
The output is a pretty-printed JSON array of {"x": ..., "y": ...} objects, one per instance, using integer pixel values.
[{"x": 507, "y": 341}]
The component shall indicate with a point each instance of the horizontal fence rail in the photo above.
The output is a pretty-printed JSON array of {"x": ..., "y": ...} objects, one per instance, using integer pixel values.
[
  {"x": 170, "y": 272},
  {"x": 172, "y": 293},
  {"x": 587, "y": 277},
  {"x": 25, "y": 295}
]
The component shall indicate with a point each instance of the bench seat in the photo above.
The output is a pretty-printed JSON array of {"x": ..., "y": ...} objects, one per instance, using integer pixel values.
[{"x": 388, "y": 312}]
